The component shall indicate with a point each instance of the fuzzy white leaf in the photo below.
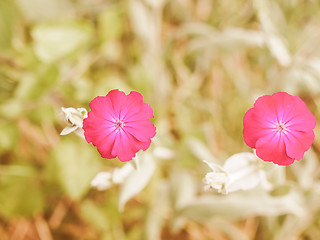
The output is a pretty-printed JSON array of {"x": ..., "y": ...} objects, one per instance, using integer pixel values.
[
  {"x": 200, "y": 150},
  {"x": 76, "y": 166},
  {"x": 120, "y": 174},
  {"x": 137, "y": 180},
  {"x": 183, "y": 187},
  {"x": 68, "y": 129},
  {"x": 243, "y": 204},
  {"x": 163, "y": 153},
  {"x": 102, "y": 181},
  {"x": 279, "y": 49},
  {"x": 245, "y": 172},
  {"x": 58, "y": 40},
  {"x": 158, "y": 211},
  {"x": 267, "y": 12}
]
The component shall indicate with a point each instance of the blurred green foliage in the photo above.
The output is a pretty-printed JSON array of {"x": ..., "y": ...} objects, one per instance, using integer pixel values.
[{"x": 200, "y": 65}]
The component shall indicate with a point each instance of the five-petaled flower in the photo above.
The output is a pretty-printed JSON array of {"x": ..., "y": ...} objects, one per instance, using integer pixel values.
[
  {"x": 119, "y": 125},
  {"x": 280, "y": 128}
]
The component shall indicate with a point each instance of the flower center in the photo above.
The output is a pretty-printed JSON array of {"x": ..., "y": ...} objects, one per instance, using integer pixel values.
[
  {"x": 281, "y": 128},
  {"x": 119, "y": 124}
]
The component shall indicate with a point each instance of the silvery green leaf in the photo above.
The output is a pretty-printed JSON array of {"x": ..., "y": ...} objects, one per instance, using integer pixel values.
[
  {"x": 313, "y": 64},
  {"x": 43, "y": 10},
  {"x": 143, "y": 22},
  {"x": 136, "y": 163},
  {"x": 183, "y": 188},
  {"x": 80, "y": 132},
  {"x": 230, "y": 38},
  {"x": 110, "y": 25},
  {"x": 9, "y": 136},
  {"x": 94, "y": 214},
  {"x": 243, "y": 204},
  {"x": 120, "y": 174},
  {"x": 228, "y": 228},
  {"x": 304, "y": 75},
  {"x": 267, "y": 13},
  {"x": 7, "y": 21},
  {"x": 307, "y": 171},
  {"x": 245, "y": 172},
  {"x": 12, "y": 108},
  {"x": 137, "y": 180},
  {"x": 292, "y": 227},
  {"x": 241, "y": 171},
  {"x": 17, "y": 170},
  {"x": 76, "y": 166},
  {"x": 58, "y": 40},
  {"x": 279, "y": 49},
  {"x": 19, "y": 196},
  {"x": 214, "y": 167},
  {"x": 156, "y": 4},
  {"x": 102, "y": 181},
  {"x": 163, "y": 153},
  {"x": 200, "y": 150},
  {"x": 68, "y": 129},
  {"x": 158, "y": 211},
  {"x": 299, "y": 78}
]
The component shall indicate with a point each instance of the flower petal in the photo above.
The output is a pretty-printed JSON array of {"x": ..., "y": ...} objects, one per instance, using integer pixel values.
[
  {"x": 284, "y": 106},
  {"x": 141, "y": 130},
  {"x": 303, "y": 119},
  {"x": 102, "y": 108},
  {"x": 133, "y": 104},
  {"x": 297, "y": 143},
  {"x": 255, "y": 127},
  {"x": 264, "y": 106},
  {"x": 126, "y": 146},
  {"x": 95, "y": 126},
  {"x": 118, "y": 100},
  {"x": 272, "y": 148},
  {"x": 144, "y": 111},
  {"x": 122, "y": 148}
]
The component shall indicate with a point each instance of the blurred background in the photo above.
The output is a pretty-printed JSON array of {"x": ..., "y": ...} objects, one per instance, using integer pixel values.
[{"x": 200, "y": 64}]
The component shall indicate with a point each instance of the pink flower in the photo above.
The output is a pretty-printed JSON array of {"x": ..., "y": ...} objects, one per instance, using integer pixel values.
[
  {"x": 280, "y": 127},
  {"x": 119, "y": 125}
]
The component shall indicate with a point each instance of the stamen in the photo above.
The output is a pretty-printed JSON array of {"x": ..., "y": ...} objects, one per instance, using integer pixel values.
[
  {"x": 119, "y": 124},
  {"x": 281, "y": 128}
]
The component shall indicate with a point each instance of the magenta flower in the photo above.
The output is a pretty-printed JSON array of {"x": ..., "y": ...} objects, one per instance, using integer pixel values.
[
  {"x": 119, "y": 125},
  {"x": 280, "y": 127}
]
